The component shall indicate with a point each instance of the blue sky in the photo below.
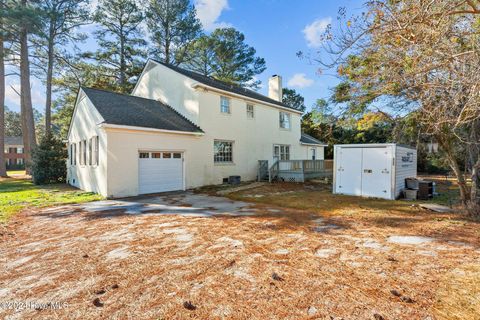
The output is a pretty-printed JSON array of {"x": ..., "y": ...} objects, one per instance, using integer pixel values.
[{"x": 276, "y": 28}]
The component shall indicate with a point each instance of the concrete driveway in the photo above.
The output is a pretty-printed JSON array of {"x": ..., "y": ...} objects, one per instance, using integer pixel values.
[
  {"x": 188, "y": 255},
  {"x": 183, "y": 204}
]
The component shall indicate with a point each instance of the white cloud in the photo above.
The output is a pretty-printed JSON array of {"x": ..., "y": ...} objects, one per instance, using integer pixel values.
[
  {"x": 300, "y": 80},
  {"x": 208, "y": 11},
  {"x": 314, "y": 31}
]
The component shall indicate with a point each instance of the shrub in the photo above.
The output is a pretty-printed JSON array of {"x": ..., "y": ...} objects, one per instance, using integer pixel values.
[{"x": 49, "y": 161}]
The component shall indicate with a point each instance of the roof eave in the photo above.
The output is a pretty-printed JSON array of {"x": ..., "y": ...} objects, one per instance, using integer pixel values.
[
  {"x": 145, "y": 129},
  {"x": 314, "y": 144}
]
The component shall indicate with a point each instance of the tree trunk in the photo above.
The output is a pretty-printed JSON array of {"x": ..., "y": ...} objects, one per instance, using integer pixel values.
[
  {"x": 452, "y": 161},
  {"x": 167, "y": 51},
  {"x": 475, "y": 191},
  {"x": 48, "y": 98},
  {"x": 3, "y": 169},
  {"x": 122, "y": 61},
  {"x": 28, "y": 125},
  {"x": 474, "y": 157}
]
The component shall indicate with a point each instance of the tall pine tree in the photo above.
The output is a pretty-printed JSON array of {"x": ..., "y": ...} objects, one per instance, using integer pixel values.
[
  {"x": 61, "y": 18},
  {"x": 3, "y": 169},
  {"x": 23, "y": 19},
  {"x": 174, "y": 26},
  {"x": 225, "y": 56},
  {"x": 120, "y": 40}
]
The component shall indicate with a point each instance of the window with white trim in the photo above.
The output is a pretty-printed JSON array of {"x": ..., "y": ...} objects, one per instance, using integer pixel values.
[
  {"x": 80, "y": 153},
  {"x": 84, "y": 152},
  {"x": 73, "y": 154},
  {"x": 224, "y": 104},
  {"x": 96, "y": 148},
  {"x": 90, "y": 151},
  {"x": 93, "y": 157},
  {"x": 284, "y": 120},
  {"x": 281, "y": 152},
  {"x": 250, "y": 111},
  {"x": 222, "y": 151}
]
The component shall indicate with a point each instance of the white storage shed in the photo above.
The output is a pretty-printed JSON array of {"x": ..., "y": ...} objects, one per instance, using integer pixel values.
[{"x": 373, "y": 170}]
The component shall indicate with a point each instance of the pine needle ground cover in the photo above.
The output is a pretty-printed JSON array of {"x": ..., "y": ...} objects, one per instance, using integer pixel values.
[{"x": 292, "y": 252}]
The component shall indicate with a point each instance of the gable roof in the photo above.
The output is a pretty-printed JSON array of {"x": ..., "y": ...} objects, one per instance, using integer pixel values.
[
  {"x": 211, "y": 82},
  {"x": 127, "y": 110},
  {"x": 14, "y": 141},
  {"x": 307, "y": 139}
]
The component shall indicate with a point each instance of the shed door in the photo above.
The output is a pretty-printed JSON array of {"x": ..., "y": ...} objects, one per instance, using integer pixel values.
[
  {"x": 160, "y": 171},
  {"x": 377, "y": 172},
  {"x": 349, "y": 171}
]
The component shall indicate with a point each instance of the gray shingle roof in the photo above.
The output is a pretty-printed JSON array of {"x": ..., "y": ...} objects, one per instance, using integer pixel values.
[
  {"x": 224, "y": 86},
  {"x": 13, "y": 141},
  {"x": 127, "y": 110},
  {"x": 305, "y": 138}
]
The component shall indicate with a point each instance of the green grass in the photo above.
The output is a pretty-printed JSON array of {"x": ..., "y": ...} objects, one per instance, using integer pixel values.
[
  {"x": 17, "y": 194},
  {"x": 15, "y": 172}
]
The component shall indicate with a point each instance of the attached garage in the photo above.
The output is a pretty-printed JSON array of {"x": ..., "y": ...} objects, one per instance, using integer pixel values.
[
  {"x": 373, "y": 170},
  {"x": 160, "y": 171}
]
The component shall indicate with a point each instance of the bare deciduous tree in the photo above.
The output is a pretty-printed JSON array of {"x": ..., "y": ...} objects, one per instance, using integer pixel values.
[{"x": 423, "y": 52}]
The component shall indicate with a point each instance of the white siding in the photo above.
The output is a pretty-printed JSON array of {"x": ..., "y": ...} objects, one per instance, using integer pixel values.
[
  {"x": 307, "y": 153},
  {"x": 405, "y": 167},
  {"x": 83, "y": 127},
  {"x": 160, "y": 83},
  {"x": 253, "y": 139}
]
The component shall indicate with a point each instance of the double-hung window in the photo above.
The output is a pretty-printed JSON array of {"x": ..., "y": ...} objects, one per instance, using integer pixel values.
[
  {"x": 223, "y": 151},
  {"x": 281, "y": 152},
  {"x": 90, "y": 152},
  {"x": 93, "y": 149},
  {"x": 84, "y": 153},
  {"x": 284, "y": 120},
  {"x": 224, "y": 104},
  {"x": 80, "y": 153},
  {"x": 250, "y": 111},
  {"x": 73, "y": 154}
]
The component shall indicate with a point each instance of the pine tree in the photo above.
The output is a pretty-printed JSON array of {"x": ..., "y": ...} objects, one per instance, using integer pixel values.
[
  {"x": 225, "y": 56},
  {"x": 175, "y": 26},
  {"x": 120, "y": 40},
  {"x": 60, "y": 18}
]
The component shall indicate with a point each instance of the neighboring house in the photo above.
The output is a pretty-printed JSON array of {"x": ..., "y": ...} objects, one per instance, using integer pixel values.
[
  {"x": 14, "y": 155},
  {"x": 179, "y": 130}
]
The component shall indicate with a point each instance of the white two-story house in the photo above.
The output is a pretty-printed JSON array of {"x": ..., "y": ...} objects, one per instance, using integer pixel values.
[{"x": 179, "y": 130}]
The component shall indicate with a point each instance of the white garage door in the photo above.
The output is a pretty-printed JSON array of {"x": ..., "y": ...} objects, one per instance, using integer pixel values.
[{"x": 160, "y": 171}]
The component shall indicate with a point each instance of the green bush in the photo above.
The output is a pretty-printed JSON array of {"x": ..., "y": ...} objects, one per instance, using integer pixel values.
[{"x": 49, "y": 161}]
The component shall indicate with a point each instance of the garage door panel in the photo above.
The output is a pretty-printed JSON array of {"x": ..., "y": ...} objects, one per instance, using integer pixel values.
[{"x": 160, "y": 174}]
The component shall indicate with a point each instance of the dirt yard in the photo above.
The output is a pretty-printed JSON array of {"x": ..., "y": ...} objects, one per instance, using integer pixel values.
[{"x": 281, "y": 251}]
